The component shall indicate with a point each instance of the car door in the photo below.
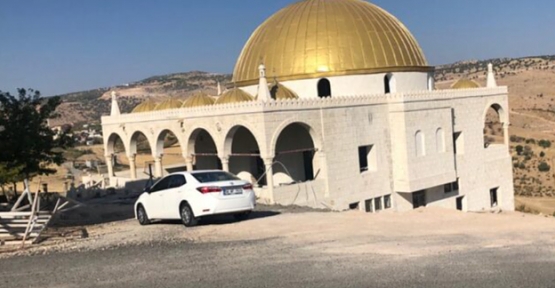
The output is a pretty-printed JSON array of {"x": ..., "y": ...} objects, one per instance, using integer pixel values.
[
  {"x": 172, "y": 196},
  {"x": 155, "y": 206}
]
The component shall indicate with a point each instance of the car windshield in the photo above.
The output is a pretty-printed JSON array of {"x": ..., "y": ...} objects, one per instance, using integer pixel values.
[{"x": 216, "y": 176}]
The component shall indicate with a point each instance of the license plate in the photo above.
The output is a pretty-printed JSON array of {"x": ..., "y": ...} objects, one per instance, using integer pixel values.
[{"x": 233, "y": 191}]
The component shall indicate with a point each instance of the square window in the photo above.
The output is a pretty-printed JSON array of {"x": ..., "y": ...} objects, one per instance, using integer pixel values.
[
  {"x": 368, "y": 204},
  {"x": 367, "y": 158},
  {"x": 387, "y": 201},
  {"x": 378, "y": 204}
]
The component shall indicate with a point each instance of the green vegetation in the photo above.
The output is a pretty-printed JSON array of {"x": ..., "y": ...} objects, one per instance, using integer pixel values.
[
  {"x": 27, "y": 145},
  {"x": 544, "y": 167}
]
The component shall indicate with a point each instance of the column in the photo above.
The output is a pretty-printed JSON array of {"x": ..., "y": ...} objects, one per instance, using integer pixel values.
[
  {"x": 109, "y": 163},
  {"x": 506, "y": 133},
  {"x": 189, "y": 163},
  {"x": 269, "y": 178},
  {"x": 132, "y": 166},
  {"x": 158, "y": 167},
  {"x": 225, "y": 163}
]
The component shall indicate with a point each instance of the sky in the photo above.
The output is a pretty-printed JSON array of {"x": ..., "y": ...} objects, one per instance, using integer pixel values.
[{"x": 61, "y": 46}]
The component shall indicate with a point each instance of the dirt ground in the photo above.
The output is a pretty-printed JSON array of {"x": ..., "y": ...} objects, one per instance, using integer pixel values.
[{"x": 108, "y": 223}]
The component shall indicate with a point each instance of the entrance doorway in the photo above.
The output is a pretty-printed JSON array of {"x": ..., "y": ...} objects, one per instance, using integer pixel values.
[
  {"x": 419, "y": 199},
  {"x": 460, "y": 203}
]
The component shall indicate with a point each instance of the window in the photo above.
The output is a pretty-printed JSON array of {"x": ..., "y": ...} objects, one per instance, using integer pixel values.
[
  {"x": 369, "y": 207},
  {"x": 367, "y": 158},
  {"x": 161, "y": 185},
  {"x": 420, "y": 144},
  {"x": 451, "y": 187},
  {"x": 378, "y": 204},
  {"x": 324, "y": 88},
  {"x": 206, "y": 177},
  {"x": 493, "y": 197},
  {"x": 177, "y": 181},
  {"x": 387, "y": 201},
  {"x": 389, "y": 84},
  {"x": 354, "y": 206},
  {"x": 440, "y": 140}
]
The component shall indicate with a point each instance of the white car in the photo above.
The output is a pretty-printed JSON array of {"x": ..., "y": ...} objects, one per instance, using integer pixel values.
[{"x": 191, "y": 195}]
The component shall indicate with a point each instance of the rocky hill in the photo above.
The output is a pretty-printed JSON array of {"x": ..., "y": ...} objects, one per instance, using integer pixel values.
[{"x": 88, "y": 106}]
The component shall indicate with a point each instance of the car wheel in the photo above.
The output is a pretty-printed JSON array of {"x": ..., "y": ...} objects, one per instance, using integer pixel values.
[
  {"x": 242, "y": 216},
  {"x": 187, "y": 216},
  {"x": 142, "y": 216}
]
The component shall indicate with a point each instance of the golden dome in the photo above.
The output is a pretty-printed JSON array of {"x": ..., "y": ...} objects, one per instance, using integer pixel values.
[
  {"x": 234, "y": 95},
  {"x": 199, "y": 99},
  {"x": 320, "y": 38},
  {"x": 147, "y": 106},
  {"x": 170, "y": 103},
  {"x": 465, "y": 84},
  {"x": 280, "y": 92}
]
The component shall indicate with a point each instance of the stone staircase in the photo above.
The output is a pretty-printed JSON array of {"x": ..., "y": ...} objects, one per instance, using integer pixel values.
[{"x": 13, "y": 226}]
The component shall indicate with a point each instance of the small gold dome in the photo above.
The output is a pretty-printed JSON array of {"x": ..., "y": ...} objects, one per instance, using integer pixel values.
[
  {"x": 234, "y": 95},
  {"x": 465, "y": 84},
  {"x": 280, "y": 92},
  {"x": 198, "y": 99},
  {"x": 147, "y": 106},
  {"x": 170, "y": 103},
  {"x": 320, "y": 38}
]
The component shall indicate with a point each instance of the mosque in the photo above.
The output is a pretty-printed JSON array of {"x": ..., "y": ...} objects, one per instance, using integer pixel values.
[{"x": 333, "y": 105}]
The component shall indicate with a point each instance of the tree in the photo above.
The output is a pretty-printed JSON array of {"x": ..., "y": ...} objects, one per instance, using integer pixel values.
[
  {"x": 9, "y": 176},
  {"x": 26, "y": 141}
]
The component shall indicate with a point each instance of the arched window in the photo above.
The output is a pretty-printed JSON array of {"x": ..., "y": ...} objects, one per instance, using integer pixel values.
[
  {"x": 440, "y": 140},
  {"x": 420, "y": 144},
  {"x": 389, "y": 84},
  {"x": 324, "y": 88}
]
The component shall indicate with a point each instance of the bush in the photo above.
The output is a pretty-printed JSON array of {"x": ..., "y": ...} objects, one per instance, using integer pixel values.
[
  {"x": 530, "y": 141},
  {"x": 545, "y": 143},
  {"x": 519, "y": 149},
  {"x": 542, "y": 154},
  {"x": 544, "y": 167}
]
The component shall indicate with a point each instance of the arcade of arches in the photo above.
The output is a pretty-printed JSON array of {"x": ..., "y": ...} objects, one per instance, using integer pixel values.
[{"x": 241, "y": 155}]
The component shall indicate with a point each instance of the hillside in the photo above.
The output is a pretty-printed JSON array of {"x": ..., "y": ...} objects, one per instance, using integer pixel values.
[{"x": 88, "y": 106}]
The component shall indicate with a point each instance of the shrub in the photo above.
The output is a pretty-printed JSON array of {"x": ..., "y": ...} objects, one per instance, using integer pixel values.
[
  {"x": 544, "y": 167},
  {"x": 519, "y": 149},
  {"x": 544, "y": 143},
  {"x": 530, "y": 141},
  {"x": 542, "y": 154}
]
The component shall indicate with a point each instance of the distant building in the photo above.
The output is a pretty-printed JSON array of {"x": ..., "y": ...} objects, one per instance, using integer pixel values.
[{"x": 333, "y": 105}]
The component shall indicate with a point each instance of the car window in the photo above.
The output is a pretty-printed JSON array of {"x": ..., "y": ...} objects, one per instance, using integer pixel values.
[
  {"x": 177, "y": 181},
  {"x": 161, "y": 185},
  {"x": 207, "y": 177}
]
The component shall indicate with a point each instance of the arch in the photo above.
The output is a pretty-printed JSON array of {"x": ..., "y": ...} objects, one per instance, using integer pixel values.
[
  {"x": 295, "y": 148},
  {"x": 166, "y": 138},
  {"x": 324, "y": 88},
  {"x": 440, "y": 140},
  {"x": 420, "y": 144},
  {"x": 315, "y": 134},
  {"x": 244, "y": 154},
  {"x": 139, "y": 143},
  {"x": 202, "y": 147},
  {"x": 390, "y": 84},
  {"x": 115, "y": 144},
  {"x": 495, "y": 122}
]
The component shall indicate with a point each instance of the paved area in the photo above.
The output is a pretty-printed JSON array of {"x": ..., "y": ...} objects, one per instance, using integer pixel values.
[
  {"x": 284, "y": 247},
  {"x": 272, "y": 263}
]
